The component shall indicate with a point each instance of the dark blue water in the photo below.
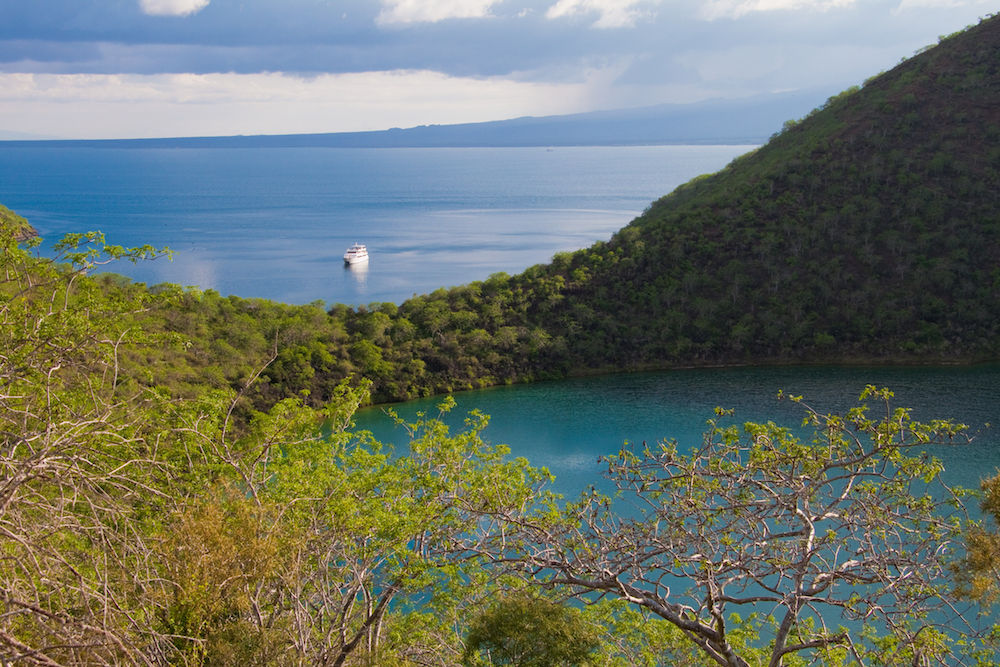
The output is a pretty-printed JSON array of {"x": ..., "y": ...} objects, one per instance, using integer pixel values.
[
  {"x": 566, "y": 425},
  {"x": 274, "y": 223}
]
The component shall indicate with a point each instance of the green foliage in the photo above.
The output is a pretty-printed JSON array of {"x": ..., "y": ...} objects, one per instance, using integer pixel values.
[
  {"x": 81, "y": 486},
  {"x": 633, "y": 637},
  {"x": 756, "y": 544},
  {"x": 978, "y": 573},
  {"x": 170, "y": 494},
  {"x": 214, "y": 521},
  {"x": 15, "y": 225},
  {"x": 150, "y": 522},
  {"x": 530, "y": 632}
]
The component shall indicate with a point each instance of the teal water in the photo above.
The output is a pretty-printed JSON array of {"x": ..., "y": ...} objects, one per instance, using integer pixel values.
[
  {"x": 274, "y": 222},
  {"x": 566, "y": 425}
]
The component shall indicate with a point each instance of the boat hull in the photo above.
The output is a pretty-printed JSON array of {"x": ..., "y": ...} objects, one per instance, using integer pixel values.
[{"x": 356, "y": 254}]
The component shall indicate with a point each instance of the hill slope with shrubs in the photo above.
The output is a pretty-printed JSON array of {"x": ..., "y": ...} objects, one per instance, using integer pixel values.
[{"x": 868, "y": 231}]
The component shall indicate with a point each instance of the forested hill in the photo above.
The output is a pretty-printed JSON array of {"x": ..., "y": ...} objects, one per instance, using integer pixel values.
[
  {"x": 19, "y": 227},
  {"x": 867, "y": 231}
]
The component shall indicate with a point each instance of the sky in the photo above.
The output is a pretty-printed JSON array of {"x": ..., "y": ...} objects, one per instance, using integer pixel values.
[{"x": 164, "y": 68}]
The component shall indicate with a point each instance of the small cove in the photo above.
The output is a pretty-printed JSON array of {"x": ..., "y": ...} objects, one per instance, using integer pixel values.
[{"x": 566, "y": 425}]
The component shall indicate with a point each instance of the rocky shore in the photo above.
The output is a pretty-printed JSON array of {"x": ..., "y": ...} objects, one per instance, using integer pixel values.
[{"x": 21, "y": 228}]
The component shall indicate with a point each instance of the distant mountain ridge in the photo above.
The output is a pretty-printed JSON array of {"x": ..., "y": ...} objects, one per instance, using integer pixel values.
[{"x": 738, "y": 121}]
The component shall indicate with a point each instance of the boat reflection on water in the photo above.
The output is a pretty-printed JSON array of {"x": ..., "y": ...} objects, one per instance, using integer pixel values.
[{"x": 359, "y": 272}]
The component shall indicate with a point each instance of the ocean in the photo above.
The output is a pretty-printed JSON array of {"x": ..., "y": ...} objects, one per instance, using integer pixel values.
[{"x": 273, "y": 223}]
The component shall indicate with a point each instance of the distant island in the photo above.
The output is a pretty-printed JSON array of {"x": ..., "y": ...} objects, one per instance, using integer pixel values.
[{"x": 748, "y": 120}]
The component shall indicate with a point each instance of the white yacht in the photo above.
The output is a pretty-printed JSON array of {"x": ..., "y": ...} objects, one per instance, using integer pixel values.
[{"x": 356, "y": 254}]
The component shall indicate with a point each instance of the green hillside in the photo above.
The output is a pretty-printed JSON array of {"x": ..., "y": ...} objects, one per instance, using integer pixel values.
[
  {"x": 17, "y": 225},
  {"x": 864, "y": 232},
  {"x": 867, "y": 230}
]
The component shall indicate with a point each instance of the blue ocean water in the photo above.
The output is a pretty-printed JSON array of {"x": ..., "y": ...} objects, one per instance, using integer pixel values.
[{"x": 274, "y": 222}]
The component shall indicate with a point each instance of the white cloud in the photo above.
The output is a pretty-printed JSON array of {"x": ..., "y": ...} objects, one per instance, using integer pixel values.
[
  {"x": 732, "y": 9},
  {"x": 172, "y": 7},
  {"x": 905, "y": 5},
  {"x": 117, "y": 106},
  {"x": 432, "y": 11},
  {"x": 611, "y": 13}
]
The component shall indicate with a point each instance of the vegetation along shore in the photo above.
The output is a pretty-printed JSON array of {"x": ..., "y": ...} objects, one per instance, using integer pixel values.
[{"x": 167, "y": 496}]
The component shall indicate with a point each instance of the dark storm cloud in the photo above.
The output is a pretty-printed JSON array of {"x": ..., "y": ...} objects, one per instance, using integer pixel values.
[{"x": 305, "y": 36}]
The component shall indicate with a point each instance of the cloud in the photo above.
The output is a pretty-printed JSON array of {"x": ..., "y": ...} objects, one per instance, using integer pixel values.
[
  {"x": 611, "y": 13},
  {"x": 905, "y": 5},
  {"x": 734, "y": 9},
  {"x": 746, "y": 69},
  {"x": 134, "y": 105},
  {"x": 342, "y": 65},
  {"x": 432, "y": 11},
  {"x": 733, "y": 65},
  {"x": 172, "y": 7}
]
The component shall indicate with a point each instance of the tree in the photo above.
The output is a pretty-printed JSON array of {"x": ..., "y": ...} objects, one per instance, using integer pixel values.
[
  {"x": 834, "y": 549},
  {"x": 138, "y": 526},
  {"x": 78, "y": 476},
  {"x": 369, "y": 531},
  {"x": 978, "y": 573},
  {"x": 530, "y": 632}
]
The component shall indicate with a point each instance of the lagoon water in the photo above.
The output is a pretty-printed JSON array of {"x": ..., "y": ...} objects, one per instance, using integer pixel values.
[
  {"x": 274, "y": 222},
  {"x": 565, "y": 425}
]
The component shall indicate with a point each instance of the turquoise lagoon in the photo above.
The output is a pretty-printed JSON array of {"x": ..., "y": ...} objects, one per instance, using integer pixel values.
[{"x": 566, "y": 425}]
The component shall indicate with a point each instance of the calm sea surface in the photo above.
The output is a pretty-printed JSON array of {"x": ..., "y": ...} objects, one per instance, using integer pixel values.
[{"x": 274, "y": 223}]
